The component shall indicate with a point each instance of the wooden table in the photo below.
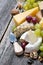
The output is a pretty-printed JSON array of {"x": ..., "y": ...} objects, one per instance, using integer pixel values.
[{"x": 7, "y": 55}]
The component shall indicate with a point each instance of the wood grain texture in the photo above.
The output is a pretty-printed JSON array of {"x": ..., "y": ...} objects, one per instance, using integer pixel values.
[{"x": 5, "y": 16}]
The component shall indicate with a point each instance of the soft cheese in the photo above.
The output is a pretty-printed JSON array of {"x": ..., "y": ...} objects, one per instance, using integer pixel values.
[
  {"x": 19, "y": 18},
  {"x": 18, "y": 49},
  {"x": 29, "y": 36},
  {"x": 31, "y": 47}
]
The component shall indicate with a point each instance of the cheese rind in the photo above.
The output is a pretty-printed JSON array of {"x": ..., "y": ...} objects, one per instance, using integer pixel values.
[{"x": 19, "y": 18}]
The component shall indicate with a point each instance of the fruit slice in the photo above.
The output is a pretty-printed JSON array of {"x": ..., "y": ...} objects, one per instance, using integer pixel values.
[{"x": 19, "y": 18}]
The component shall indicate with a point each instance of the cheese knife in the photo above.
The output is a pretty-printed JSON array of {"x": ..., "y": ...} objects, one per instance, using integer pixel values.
[{"x": 17, "y": 48}]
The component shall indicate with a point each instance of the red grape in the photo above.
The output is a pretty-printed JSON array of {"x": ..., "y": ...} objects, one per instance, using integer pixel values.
[
  {"x": 29, "y": 18},
  {"x": 34, "y": 20},
  {"x": 23, "y": 44}
]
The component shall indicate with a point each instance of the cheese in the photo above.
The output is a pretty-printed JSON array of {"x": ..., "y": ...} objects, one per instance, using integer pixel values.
[
  {"x": 39, "y": 16},
  {"x": 41, "y": 7},
  {"x": 18, "y": 49},
  {"x": 19, "y": 18},
  {"x": 29, "y": 36},
  {"x": 41, "y": 23},
  {"x": 31, "y": 47}
]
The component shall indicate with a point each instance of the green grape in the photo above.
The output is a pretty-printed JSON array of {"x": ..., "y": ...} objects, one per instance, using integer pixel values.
[
  {"x": 42, "y": 44},
  {"x": 28, "y": 1},
  {"x": 41, "y": 48},
  {"x": 37, "y": 32},
  {"x": 25, "y": 6},
  {"x": 32, "y": 1},
  {"x": 13, "y": 28},
  {"x": 37, "y": 26},
  {"x": 35, "y": 4},
  {"x": 42, "y": 33},
  {"x": 41, "y": 54}
]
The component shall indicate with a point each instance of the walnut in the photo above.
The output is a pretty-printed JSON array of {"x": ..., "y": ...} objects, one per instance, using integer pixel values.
[
  {"x": 14, "y": 11},
  {"x": 34, "y": 55},
  {"x": 40, "y": 58}
]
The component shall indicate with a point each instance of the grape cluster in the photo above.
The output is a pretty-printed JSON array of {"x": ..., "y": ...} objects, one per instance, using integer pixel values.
[{"x": 29, "y": 4}]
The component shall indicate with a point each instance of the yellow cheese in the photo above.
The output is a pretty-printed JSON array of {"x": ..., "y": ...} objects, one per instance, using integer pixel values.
[
  {"x": 19, "y": 18},
  {"x": 41, "y": 23}
]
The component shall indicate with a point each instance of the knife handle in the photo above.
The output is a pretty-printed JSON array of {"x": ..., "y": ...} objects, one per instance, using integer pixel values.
[{"x": 17, "y": 48}]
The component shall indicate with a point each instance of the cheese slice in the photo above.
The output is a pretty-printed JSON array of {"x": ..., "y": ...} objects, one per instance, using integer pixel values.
[
  {"x": 19, "y": 18},
  {"x": 18, "y": 49},
  {"x": 39, "y": 16}
]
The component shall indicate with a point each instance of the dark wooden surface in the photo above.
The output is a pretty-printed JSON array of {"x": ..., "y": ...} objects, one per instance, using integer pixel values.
[{"x": 5, "y": 7}]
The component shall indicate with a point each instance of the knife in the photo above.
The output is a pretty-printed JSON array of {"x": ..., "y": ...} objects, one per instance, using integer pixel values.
[{"x": 17, "y": 48}]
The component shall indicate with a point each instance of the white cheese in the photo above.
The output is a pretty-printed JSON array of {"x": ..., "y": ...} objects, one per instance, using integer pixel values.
[
  {"x": 30, "y": 47},
  {"x": 18, "y": 49},
  {"x": 29, "y": 36}
]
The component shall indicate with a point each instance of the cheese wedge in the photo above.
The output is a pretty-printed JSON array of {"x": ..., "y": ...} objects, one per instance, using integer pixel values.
[
  {"x": 18, "y": 49},
  {"x": 19, "y": 18},
  {"x": 39, "y": 16}
]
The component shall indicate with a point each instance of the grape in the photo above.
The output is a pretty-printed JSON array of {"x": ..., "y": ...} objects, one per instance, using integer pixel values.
[
  {"x": 42, "y": 44},
  {"x": 37, "y": 26},
  {"x": 32, "y": 1},
  {"x": 34, "y": 20},
  {"x": 29, "y": 18},
  {"x": 42, "y": 33},
  {"x": 35, "y": 4},
  {"x": 28, "y": 1},
  {"x": 13, "y": 28},
  {"x": 41, "y": 54},
  {"x": 41, "y": 48},
  {"x": 23, "y": 44},
  {"x": 25, "y": 6},
  {"x": 37, "y": 32}
]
